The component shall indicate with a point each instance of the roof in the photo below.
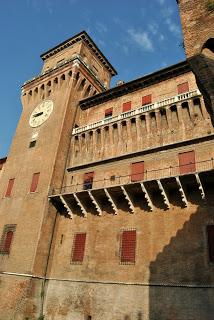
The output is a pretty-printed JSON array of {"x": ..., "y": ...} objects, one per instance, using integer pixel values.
[
  {"x": 82, "y": 36},
  {"x": 140, "y": 83}
]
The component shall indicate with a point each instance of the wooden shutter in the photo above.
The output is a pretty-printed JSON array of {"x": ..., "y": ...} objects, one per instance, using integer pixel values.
[
  {"x": 128, "y": 246},
  {"x": 210, "y": 239},
  {"x": 127, "y": 106},
  {"x": 183, "y": 87},
  {"x": 9, "y": 187},
  {"x": 137, "y": 171},
  {"x": 108, "y": 112},
  {"x": 7, "y": 241},
  {"x": 78, "y": 247},
  {"x": 34, "y": 183},
  {"x": 146, "y": 99},
  {"x": 187, "y": 162}
]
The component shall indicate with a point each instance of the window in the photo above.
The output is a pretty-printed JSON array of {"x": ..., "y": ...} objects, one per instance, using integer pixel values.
[
  {"x": 7, "y": 238},
  {"x": 9, "y": 187},
  {"x": 34, "y": 182},
  {"x": 108, "y": 112},
  {"x": 78, "y": 247},
  {"x": 146, "y": 99},
  {"x": 210, "y": 240},
  {"x": 187, "y": 162},
  {"x": 183, "y": 87},
  {"x": 127, "y": 106},
  {"x": 128, "y": 245},
  {"x": 137, "y": 171},
  {"x": 32, "y": 144},
  {"x": 88, "y": 180}
]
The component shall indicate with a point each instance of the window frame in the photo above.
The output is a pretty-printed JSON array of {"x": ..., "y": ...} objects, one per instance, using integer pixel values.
[
  {"x": 131, "y": 261},
  {"x": 74, "y": 248},
  {"x": 7, "y": 228}
]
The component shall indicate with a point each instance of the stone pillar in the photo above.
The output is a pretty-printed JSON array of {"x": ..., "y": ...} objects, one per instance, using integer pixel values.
[
  {"x": 158, "y": 120},
  {"x": 179, "y": 111},
  {"x": 169, "y": 117},
  {"x": 139, "y": 132},
  {"x": 148, "y": 124}
]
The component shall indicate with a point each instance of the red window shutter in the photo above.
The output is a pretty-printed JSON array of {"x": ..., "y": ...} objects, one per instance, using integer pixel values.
[
  {"x": 9, "y": 187},
  {"x": 7, "y": 241},
  {"x": 78, "y": 247},
  {"x": 34, "y": 183},
  {"x": 128, "y": 246},
  {"x": 108, "y": 112},
  {"x": 187, "y": 162},
  {"x": 127, "y": 106},
  {"x": 183, "y": 87},
  {"x": 146, "y": 99},
  {"x": 210, "y": 239},
  {"x": 137, "y": 171}
]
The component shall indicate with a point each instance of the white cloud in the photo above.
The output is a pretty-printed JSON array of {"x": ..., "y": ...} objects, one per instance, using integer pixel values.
[
  {"x": 161, "y": 37},
  {"x": 167, "y": 12},
  {"x": 142, "y": 39},
  {"x": 153, "y": 27},
  {"x": 161, "y": 2},
  {"x": 173, "y": 27},
  {"x": 101, "y": 28}
]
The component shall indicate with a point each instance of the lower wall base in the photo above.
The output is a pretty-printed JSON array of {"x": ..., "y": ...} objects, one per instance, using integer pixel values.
[{"x": 77, "y": 301}]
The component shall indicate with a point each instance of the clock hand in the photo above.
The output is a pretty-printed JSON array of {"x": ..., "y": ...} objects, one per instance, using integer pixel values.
[{"x": 38, "y": 114}]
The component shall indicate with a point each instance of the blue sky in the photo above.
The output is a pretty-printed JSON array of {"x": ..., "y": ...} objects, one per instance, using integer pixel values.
[{"x": 138, "y": 37}]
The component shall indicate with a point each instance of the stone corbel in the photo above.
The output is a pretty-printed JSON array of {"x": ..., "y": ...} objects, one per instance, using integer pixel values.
[
  {"x": 67, "y": 207},
  {"x": 80, "y": 204},
  {"x": 128, "y": 198}
]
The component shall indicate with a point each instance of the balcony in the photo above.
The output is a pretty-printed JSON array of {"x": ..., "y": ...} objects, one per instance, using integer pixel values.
[
  {"x": 140, "y": 110},
  {"x": 159, "y": 188}
]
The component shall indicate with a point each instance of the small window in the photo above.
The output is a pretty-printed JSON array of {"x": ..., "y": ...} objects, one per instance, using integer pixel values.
[
  {"x": 147, "y": 99},
  {"x": 187, "y": 162},
  {"x": 127, "y": 106},
  {"x": 78, "y": 247},
  {"x": 128, "y": 246},
  {"x": 9, "y": 187},
  {"x": 32, "y": 144},
  {"x": 34, "y": 182},
  {"x": 7, "y": 238},
  {"x": 108, "y": 112},
  {"x": 137, "y": 171},
  {"x": 183, "y": 87},
  {"x": 210, "y": 240},
  {"x": 88, "y": 180}
]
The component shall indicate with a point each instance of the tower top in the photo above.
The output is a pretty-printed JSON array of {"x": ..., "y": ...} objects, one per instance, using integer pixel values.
[{"x": 84, "y": 37}]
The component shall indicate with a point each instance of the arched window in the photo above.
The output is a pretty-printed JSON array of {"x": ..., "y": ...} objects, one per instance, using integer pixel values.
[
  {"x": 8, "y": 241},
  {"x": 7, "y": 238}
]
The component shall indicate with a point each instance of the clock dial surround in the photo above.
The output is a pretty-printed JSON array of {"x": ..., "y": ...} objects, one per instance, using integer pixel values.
[{"x": 41, "y": 113}]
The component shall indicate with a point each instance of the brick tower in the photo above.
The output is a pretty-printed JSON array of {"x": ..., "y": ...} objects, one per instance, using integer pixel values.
[
  {"x": 197, "y": 18},
  {"x": 36, "y": 163}
]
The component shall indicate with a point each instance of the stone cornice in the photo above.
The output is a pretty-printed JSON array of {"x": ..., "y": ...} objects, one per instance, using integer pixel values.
[
  {"x": 82, "y": 36},
  {"x": 140, "y": 83},
  {"x": 65, "y": 63}
]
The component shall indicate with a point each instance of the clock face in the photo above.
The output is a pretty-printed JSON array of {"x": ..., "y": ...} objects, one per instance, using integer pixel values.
[{"x": 41, "y": 113}]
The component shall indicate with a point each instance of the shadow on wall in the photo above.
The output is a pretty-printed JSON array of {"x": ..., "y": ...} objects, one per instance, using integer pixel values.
[{"x": 181, "y": 275}]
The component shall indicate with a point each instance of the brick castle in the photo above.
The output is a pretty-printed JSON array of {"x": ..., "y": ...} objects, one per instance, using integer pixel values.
[{"x": 107, "y": 195}]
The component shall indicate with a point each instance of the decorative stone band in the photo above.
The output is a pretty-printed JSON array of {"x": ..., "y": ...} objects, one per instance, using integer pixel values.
[{"x": 139, "y": 111}]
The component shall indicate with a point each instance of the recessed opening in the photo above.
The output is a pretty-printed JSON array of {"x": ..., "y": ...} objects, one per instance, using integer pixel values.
[{"x": 32, "y": 144}]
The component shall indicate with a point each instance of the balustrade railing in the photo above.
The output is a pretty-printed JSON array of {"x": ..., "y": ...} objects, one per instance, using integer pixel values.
[
  {"x": 139, "y": 110},
  {"x": 147, "y": 175}
]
